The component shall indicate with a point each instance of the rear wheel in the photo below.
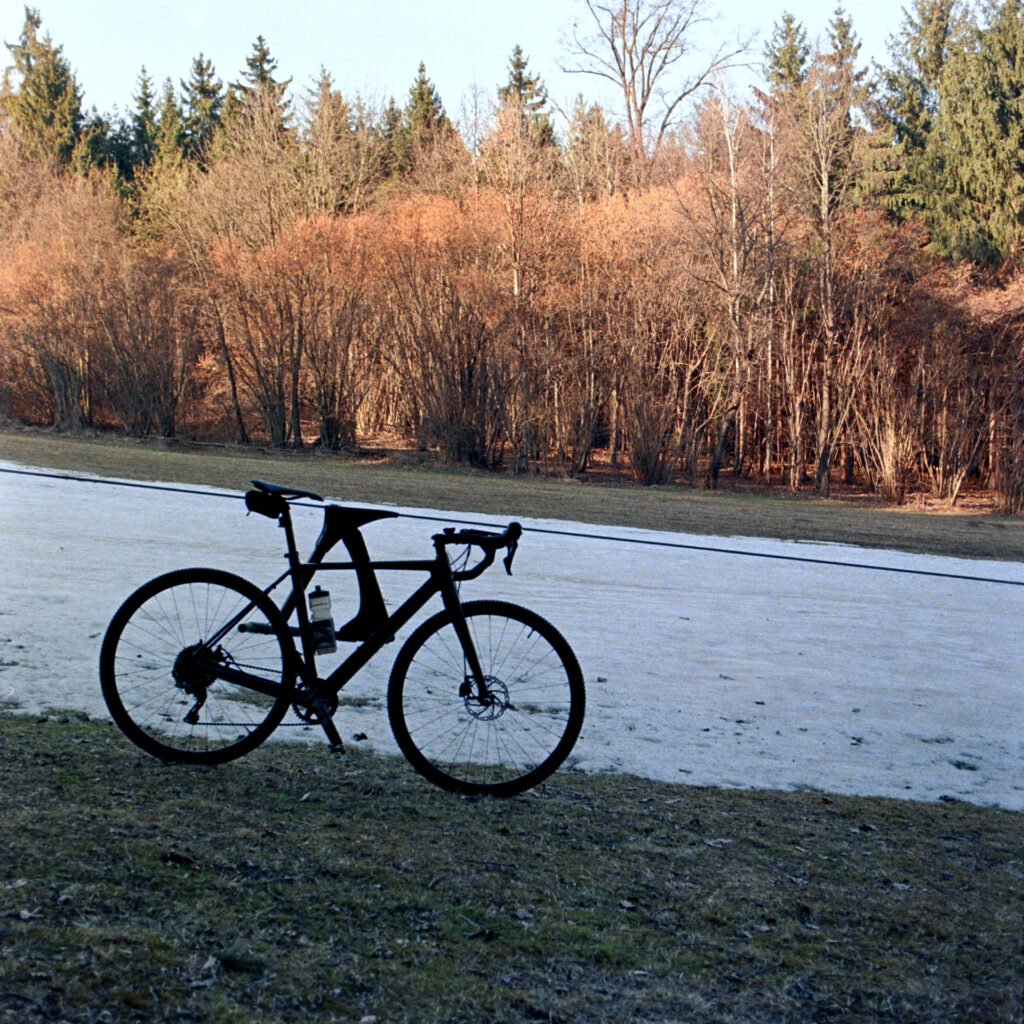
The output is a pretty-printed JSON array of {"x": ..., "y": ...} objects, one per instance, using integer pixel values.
[
  {"x": 198, "y": 665},
  {"x": 507, "y": 739}
]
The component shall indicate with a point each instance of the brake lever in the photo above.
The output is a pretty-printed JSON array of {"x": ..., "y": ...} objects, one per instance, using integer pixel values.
[{"x": 507, "y": 560}]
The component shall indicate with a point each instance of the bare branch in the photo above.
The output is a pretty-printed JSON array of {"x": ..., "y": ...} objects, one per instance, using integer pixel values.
[{"x": 636, "y": 44}]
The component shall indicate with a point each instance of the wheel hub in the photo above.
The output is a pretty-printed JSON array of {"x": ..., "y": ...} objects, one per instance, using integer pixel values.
[
  {"x": 493, "y": 704},
  {"x": 189, "y": 674}
]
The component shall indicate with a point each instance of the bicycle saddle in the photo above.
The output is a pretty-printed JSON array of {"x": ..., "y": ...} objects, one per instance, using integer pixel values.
[{"x": 284, "y": 492}]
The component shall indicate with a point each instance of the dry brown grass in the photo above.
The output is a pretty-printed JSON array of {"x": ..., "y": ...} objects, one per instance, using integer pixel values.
[
  {"x": 296, "y": 886},
  {"x": 402, "y": 481}
]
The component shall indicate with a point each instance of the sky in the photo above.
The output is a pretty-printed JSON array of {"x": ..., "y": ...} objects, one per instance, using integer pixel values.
[{"x": 373, "y": 47}]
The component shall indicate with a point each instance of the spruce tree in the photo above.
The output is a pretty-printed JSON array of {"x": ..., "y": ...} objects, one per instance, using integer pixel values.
[
  {"x": 977, "y": 145},
  {"x": 395, "y": 140},
  {"x": 143, "y": 124},
  {"x": 529, "y": 92},
  {"x": 909, "y": 100},
  {"x": 259, "y": 84},
  {"x": 46, "y": 103},
  {"x": 159, "y": 189},
  {"x": 910, "y": 87},
  {"x": 204, "y": 101},
  {"x": 786, "y": 55},
  {"x": 844, "y": 46},
  {"x": 424, "y": 111},
  {"x": 169, "y": 135},
  {"x": 260, "y": 68},
  {"x": 422, "y": 123},
  {"x": 344, "y": 151}
]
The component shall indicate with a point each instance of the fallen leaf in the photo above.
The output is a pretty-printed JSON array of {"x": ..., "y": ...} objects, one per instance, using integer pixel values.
[
  {"x": 185, "y": 860},
  {"x": 235, "y": 958}
]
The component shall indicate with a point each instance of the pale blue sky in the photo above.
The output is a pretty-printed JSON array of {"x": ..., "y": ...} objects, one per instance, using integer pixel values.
[{"x": 370, "y": 46}]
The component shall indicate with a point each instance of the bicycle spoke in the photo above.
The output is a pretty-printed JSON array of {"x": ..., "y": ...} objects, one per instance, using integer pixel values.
[
  {"x": 159, "y": 670},
  {"x": 517, "y": 731}
]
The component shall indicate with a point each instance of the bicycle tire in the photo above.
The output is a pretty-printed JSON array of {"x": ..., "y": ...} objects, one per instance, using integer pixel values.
[
  {"x": 514, "y": 743},
  {"x": 152, "y": 683}
]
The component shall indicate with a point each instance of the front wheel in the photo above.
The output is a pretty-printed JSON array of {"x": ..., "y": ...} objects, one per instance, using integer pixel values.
[
  {"x": 198, "y": 665},
  {"x": 501, "y": 741}
]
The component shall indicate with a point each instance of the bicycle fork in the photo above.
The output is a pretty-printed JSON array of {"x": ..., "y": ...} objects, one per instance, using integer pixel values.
[{"x": 474, "y": 680}]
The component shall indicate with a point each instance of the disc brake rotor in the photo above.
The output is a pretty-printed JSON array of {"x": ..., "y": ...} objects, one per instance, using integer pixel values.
[{"x": 492, "y": 705}]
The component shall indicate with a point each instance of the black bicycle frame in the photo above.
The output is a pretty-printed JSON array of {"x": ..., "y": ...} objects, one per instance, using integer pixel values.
[{"x": 441, "y": 580}]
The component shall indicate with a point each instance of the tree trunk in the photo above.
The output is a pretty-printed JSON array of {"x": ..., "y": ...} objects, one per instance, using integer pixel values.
[{"x": 243, "y": 436}]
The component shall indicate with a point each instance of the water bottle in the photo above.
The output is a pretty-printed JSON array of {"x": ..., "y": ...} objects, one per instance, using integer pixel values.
[{"x": 324, "y": 641}]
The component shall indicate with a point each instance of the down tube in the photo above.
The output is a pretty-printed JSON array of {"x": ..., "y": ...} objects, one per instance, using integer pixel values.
[{"x": 383, "y": 633}]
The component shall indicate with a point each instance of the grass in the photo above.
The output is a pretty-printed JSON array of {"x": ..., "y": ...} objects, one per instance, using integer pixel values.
[
  {"x": 689, "y": 510},
  {"x": 294, "y": 885}
]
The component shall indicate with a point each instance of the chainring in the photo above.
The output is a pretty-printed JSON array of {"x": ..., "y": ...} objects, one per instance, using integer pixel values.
[{"x": 309, "y": 714}]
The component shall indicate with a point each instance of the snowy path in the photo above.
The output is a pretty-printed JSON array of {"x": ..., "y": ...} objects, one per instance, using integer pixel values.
[{"x": 701, "y": 667}]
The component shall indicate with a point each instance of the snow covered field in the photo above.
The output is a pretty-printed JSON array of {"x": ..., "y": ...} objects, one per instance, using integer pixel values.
[{"x": 702, "y": 667}]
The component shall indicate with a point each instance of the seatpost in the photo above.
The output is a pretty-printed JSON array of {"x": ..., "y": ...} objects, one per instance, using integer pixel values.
[{"x": 298, "y": 585}]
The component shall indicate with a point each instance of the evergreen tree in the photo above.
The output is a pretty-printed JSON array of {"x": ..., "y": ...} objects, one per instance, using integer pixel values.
[
  {"x": 159, "y": 188},
  {"x": 417, "y": 128},
  {"x": 844, "y": 48},
  {"x": 424, "y": 112},
  {"x": 259, "y": 84},
  {"x": 909, "y": 99},
  {"x": 169, "y": 135},
  {"x": 841, "y": 81},
  {"x": 596, "y": 154},
  {"x": 204, "y": 101},
  {"x": 101, "y": 143},
  {"x": 108, "y": 144},
  {"x": 977, "y": 145},
  {"x": 343, "y": 150},
  {"x": 910, "y": 87},
  {"x": 395, "y": 140},
  {"x": 529, "y": 92},
  {"x": 786, "y": 55},
  {"x": 323, "y": 137},
  {"x": 144, "y": 124},
  {"x": 260, "y": 68},
  {"x": 46, "y": 104}
]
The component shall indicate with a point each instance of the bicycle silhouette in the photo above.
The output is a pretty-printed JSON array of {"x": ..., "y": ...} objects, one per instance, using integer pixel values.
[{"x": 201, "y": 666}]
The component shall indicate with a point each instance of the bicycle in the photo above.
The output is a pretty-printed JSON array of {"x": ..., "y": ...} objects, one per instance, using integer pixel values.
[{"x": 201, "y": 666}]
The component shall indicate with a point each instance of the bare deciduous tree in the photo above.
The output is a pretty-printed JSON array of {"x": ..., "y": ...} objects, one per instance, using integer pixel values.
[
  {"x": 147, "y": 319},
  {"x": 642, "y": 47},
  {"x": 727, "y": 230}
]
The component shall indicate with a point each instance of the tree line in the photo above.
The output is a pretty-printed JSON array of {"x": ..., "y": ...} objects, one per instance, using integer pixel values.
[{"x": 821, "y": 279}]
